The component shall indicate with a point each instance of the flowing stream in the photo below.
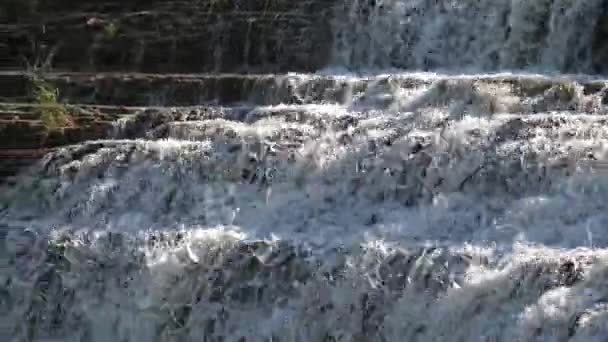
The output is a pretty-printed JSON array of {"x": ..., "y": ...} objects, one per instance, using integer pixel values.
[{"x": 372, "y": 206}]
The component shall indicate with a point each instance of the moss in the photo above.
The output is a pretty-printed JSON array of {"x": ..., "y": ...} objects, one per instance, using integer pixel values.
[{"x": 111, "y": 31}]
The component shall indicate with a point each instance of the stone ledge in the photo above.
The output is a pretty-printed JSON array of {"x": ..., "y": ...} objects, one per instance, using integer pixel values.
[
  {"x": 24, "y": 141},
  {"x": 145, "y": 89},
  {"x": 175, "y": 36}
]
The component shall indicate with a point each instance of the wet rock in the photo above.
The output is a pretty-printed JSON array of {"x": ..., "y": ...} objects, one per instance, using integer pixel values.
[
  {"x": 144, "y": 123},
  {"x": 570, "y": 273},
  {"x": 428, "y": 270}
]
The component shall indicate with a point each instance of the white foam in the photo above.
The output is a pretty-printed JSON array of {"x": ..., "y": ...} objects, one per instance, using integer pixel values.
[{"x": 355, "y": 221}]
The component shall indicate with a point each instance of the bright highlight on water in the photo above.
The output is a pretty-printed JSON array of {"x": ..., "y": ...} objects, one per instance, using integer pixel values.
[{"x": 444, "y": 179}]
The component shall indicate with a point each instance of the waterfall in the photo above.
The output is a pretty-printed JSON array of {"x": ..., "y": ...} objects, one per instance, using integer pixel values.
[
  {"x": 462, "y": 35},
  {"x": 451, "y": 187}
]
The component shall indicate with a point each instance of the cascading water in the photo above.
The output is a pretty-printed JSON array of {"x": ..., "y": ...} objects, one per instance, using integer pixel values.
[
  {"x": 384, "y": 208},
  {"x": 456, "y": 35}
]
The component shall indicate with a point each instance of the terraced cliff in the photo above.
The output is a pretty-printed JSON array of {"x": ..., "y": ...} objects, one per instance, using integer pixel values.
[
  {"x": 272, "y": 170},
  {"x": 139, "y": 36},
  {"x": 242, "y": 46},
  {"x": 172, "y": 36}
]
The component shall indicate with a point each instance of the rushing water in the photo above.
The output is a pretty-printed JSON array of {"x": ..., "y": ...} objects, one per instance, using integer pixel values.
[
  {"x": 385, "y": 208},
  {"x": 545, "y": 35}
]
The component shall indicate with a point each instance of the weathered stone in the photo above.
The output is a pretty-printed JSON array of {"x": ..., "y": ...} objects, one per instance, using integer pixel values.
[
  {"x": 174, "y": 36},
  {"x": 23, "y": 142},
  {"x": 12, "y": 161}
]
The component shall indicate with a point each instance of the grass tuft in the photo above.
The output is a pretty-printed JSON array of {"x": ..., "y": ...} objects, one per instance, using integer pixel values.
[{"x": 52, "y": 113}]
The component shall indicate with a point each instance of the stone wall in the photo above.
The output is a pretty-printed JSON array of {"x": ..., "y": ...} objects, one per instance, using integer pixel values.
[
  {"x": 150, "y": 36},
  {"x": 169, "y": 36}
]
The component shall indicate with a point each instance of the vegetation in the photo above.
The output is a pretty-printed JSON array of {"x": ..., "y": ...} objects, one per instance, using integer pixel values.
[
  {"x": 52, "y": 113},
  {"x": 110, "y": 31}
]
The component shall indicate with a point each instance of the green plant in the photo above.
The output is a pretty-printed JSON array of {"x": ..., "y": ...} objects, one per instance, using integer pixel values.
[
  {"x": 52, "y": 113},
  {"x": 110, "y": 31}
]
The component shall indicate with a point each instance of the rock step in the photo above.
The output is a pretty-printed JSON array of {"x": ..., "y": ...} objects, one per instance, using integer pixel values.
[
  {"x": 19, "y": 134},
  {"x": 33, "y": 11},
  {"x": 504, "y": 145},
  {"x": 501, "y": 93},
  {"x": 23, "y": 142},
  {"x": 176, "y": 36},
  {"x": 289, "y": 127},
  {"x": 137, "y": 89},
  {"x": 80, "y": 113},
  {"x": 24, "y": 138},
  {"x": 12, "y": 160}
]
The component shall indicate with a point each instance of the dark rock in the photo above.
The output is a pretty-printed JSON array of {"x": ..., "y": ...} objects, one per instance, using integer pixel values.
[{"x": 174, "y": 36}]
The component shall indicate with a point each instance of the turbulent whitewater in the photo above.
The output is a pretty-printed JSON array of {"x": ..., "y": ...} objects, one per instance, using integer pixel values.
[{"x": 396, "y": 207}]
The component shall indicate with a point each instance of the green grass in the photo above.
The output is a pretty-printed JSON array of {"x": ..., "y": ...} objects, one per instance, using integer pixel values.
[{"x": 52, "y": 113}]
